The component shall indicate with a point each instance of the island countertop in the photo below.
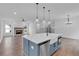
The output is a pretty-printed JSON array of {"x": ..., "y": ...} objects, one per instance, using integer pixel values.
[{"x": 38, "y": 38}]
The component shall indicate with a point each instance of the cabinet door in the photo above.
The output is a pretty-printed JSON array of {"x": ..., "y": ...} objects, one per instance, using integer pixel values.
[
  {"x": 44, "y": 49},
  {"x": 53, "y": 47},
  {"x": 34, "y": 49},
  {"x": 25, "y": 46}
]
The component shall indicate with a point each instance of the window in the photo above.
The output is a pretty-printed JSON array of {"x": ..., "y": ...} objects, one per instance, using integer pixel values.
[{"x": 7, "y": 28}]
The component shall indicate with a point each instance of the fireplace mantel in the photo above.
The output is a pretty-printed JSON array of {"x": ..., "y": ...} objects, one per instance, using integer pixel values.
[{"x": 18, "y": 30}]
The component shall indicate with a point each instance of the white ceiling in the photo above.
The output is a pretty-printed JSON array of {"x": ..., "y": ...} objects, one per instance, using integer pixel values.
[{"x": 28, "y": 10}]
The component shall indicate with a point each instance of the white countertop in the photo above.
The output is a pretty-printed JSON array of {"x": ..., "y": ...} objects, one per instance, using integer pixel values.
[{"x": 38, "y": 38}]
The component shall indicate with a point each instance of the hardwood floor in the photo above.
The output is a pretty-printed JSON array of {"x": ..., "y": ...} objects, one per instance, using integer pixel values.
[
  {"x": 69, "y": 47},
  {"x": 12, "y": 46}
]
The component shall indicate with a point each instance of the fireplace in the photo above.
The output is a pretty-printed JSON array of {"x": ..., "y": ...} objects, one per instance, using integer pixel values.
[{"x": 18, "y": 30}]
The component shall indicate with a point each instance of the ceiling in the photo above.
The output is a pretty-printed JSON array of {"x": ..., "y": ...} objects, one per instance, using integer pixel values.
[{"x": 28, "y": 10}]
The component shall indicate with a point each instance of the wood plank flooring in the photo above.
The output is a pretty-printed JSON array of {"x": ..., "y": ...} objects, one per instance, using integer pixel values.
[
  {"x": 69, "y": 47},
  {"x": 12, "y": 46}
]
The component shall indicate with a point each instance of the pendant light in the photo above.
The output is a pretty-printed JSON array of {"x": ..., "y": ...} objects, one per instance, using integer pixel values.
[
  {"x": 49, "y": 22},
  {"x": 23, "y": 21},
  {"x": 44, "y": 15},
  {"x": 68, "y": 20},
  {"x": 37, "y": 12}
]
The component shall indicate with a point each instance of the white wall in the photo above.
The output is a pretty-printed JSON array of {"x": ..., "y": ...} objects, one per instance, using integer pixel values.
[
  {"x": 8, "y": 21},
  {"x": 0, "y": 30},
  {"x": 69, "y": 31},
  {"x": 15, "y": 23},
  {"x": 59, "y": 11}
]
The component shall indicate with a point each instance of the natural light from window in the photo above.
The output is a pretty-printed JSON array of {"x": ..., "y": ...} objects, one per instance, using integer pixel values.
[{"x": 7, "y": 28}]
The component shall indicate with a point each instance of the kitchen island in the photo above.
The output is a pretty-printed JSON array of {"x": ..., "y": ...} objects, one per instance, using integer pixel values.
[{"x": 40, "y": 44}]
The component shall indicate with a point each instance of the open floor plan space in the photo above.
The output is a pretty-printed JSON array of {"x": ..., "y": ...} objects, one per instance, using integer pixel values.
[{"x": 39, "y": 29}]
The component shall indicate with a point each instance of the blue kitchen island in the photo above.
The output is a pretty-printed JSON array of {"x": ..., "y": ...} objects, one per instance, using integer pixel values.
[{"x": 40, "y": 44}]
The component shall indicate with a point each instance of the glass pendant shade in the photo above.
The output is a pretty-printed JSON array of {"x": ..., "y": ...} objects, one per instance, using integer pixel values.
[
  {"x": 37, "y": 20},
  {"x": 43, "y": 13},
  {"x": 37, "y": 12},
  {"x": 14, "y": 12},
  {"x": 23, "y": 22},
  {"x": 43, "y": 16},
  {"x": 49, "y": 22}
]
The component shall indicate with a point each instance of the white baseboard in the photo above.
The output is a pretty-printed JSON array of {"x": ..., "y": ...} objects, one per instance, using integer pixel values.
[{"x": 69, "y": 38}]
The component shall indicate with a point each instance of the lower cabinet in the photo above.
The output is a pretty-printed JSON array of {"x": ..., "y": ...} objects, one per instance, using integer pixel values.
[
  {"x": 33, "y": 49},
  {"x": 25, "y": 47},
  {"x": 44, "y": 49},
  {"x": 54, "y": 47}
]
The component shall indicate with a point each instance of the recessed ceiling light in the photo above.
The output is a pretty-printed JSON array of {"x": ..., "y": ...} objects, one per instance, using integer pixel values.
[{"x": 14, "y": 13}]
